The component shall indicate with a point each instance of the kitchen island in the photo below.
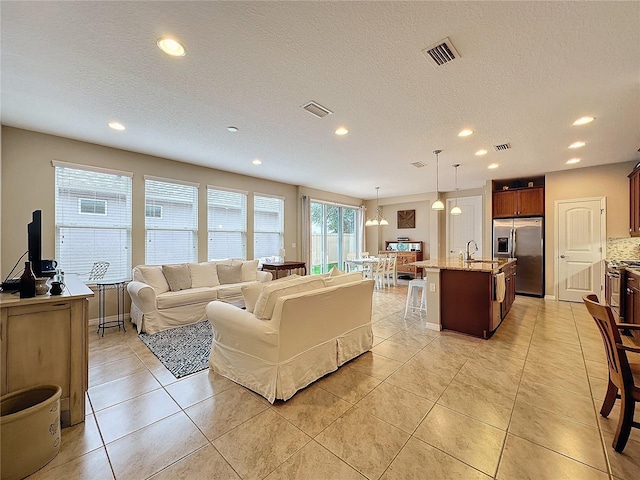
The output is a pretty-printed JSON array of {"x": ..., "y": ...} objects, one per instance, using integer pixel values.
[{"x": 463, "y": 296}]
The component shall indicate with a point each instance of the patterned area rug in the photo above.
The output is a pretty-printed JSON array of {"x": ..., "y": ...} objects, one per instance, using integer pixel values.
[{"x": 183, "y": 350}]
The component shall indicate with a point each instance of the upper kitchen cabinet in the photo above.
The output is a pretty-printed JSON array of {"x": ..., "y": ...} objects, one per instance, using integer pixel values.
[
  {"x": 518, "y": 198},
  {"x": 634, "y": 202}
]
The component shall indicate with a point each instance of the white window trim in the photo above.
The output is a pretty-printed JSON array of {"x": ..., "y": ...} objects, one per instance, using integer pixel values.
[
  {"x": 172, "y": 180},
  {"x": 90, "y": 168}
]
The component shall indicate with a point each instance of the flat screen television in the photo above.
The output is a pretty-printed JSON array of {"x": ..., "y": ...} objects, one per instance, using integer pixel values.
[{"x": 34, "y": 242}]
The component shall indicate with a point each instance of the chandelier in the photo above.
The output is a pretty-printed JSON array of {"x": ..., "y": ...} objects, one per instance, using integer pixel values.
[
  {"x": 378, "y": 219},
  {"x": 437, "y": 205},
  {"x": 456, "y": 210}
]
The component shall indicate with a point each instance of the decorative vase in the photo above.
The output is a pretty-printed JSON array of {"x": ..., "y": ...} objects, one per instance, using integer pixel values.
[
  {"x": 41, "y": 286},
  {"x": 27, "y": 282},
  {"x": 56, "y": 288}
]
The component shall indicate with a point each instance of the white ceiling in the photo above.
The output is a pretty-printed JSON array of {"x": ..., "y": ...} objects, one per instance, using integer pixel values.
[{"x": 527, "y": 70}]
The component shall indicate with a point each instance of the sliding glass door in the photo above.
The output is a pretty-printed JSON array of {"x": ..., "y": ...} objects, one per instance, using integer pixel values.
[{"x": 335, "y": 232}]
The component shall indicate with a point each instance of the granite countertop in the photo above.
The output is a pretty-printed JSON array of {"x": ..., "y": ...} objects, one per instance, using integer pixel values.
[{"x": 477, "y": 265}]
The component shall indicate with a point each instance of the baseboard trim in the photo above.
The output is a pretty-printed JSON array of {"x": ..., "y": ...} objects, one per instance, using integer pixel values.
[{"x": 549, "y": 297}]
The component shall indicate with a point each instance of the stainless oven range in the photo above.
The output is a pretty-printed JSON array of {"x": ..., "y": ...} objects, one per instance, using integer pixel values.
[{"x": 612, "y": 285}]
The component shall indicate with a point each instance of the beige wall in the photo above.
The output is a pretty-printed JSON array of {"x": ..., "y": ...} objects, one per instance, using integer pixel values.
[
  {"x": 609, "y": 181},
  {"x": 28, "y": 184}
]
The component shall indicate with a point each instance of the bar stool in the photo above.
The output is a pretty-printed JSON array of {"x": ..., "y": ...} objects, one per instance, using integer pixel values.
[{"x": 412, "y": 294}]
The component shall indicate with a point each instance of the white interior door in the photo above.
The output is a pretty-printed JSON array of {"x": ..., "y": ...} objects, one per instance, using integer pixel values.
[
  {"x": 465, "y": 227},
  {"x": 580, "y": 231}
]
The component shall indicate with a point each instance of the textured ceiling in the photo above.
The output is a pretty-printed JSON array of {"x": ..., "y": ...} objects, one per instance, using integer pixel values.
[{"x": 527, "y": 70}]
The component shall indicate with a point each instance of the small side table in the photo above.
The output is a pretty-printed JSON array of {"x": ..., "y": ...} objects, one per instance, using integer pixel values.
[
  {"x": 119, "y": 287},
  {"x": 279, "y": 266}
]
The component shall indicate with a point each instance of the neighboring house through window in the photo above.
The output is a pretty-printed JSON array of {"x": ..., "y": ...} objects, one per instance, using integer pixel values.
[
  {"x": 268, "y": 226},
  {"x": 227, "y": 223},
  {"x": 93, "y": 220}
]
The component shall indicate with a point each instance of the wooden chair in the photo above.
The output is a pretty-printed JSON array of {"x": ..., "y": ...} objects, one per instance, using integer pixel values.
[
  {"x": 624, "y": 377},
  {"x": 378, "y": 269},
  {"x": 391, "y": 269},
  {"x": 348, "y": 267}
]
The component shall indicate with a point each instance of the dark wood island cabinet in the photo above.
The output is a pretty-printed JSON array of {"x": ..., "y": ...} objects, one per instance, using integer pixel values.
[{"x": 468, "y": 302}]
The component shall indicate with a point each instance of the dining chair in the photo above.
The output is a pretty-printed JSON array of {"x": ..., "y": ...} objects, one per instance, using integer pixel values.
[
  {"x": 378, "y": 269},
  {"x": 391, "y": 269},
  {"x": 367, "y": 270},
  {"x": 350, "y": 266},
  {"x": 624, "y": 377}
]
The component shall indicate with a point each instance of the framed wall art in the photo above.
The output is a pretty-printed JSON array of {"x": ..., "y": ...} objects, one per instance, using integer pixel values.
[{"x": 406, "y": 219}]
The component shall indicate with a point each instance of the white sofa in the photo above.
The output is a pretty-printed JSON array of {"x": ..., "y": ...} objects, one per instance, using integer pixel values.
[
  {"x": 292, "y": 333},
  {"x": 161, "y": 299}
]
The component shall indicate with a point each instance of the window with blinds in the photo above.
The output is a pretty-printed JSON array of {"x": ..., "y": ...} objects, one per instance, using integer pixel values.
[
  {"x": 227, "y": 223},
  {"x": 171, "y": 229},
  {"x": 93, "y": 221},
  {"x": 268, "y": 226}
]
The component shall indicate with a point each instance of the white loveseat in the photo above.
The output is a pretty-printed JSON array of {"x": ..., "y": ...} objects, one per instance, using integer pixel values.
[
  {"x": 168, "y": 296},
  {"x": 292, "y": 333}
]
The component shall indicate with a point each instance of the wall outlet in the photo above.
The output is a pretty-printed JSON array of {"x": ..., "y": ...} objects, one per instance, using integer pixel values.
[
  {"x": 293, "y": 245},
  {"x": 432, "y": 287}
]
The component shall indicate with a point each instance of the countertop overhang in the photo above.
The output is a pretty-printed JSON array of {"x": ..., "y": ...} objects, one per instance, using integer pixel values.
[{"x": 477, "y": 265}]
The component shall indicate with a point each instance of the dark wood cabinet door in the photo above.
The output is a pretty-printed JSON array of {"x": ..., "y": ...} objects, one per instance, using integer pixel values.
[
  {"x": 636, "y": 312},
  {"x": 505, "y": 204},
  {"x": 631, "y": 298},
  {"x": 634, "y": 203},
  {"x": 531, "y": 202}
]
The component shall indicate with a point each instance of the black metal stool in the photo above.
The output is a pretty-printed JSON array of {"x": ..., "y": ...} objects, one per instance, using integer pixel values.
[{"x": 119, "y": 287}]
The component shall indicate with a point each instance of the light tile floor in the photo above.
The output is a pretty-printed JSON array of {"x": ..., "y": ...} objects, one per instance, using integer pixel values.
[{"x": 422, "y": 404}]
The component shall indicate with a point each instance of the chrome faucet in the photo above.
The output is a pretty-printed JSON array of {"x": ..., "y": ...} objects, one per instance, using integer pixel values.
[{"x": 469, "y": 253}]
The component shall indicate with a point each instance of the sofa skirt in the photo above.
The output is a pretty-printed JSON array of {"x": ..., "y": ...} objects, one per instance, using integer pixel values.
[{"x": 283, "y": 379}]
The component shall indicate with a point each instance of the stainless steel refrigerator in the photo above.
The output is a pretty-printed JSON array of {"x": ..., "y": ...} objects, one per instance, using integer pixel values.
[{"x": 523, "y": 239}]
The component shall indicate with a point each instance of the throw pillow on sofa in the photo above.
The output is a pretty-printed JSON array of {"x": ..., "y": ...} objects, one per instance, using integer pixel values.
[
  {"x": 251, "y": 292},
  {"x": 272, "y": 291},
  {"x": 335, "y": 271},
  {"x": 249, "y": 269},
  {"x": 177, "y": 276},
  {"x": 229, "y": 273},
  {"x": 203, "y": 274}
]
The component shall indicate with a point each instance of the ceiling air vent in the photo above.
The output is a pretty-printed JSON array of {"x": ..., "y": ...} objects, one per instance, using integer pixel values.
[
  {"x": 504, "y": 146},
  {"x": 418, "y": 164},
  {"x": 317, "y": 109},
  {"x": 442, "y": 52}
]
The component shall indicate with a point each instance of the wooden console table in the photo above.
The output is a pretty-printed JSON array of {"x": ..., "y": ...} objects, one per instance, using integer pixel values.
[
  {"x": 288, "y": 266},
  {"x": 44, "y": 341}
]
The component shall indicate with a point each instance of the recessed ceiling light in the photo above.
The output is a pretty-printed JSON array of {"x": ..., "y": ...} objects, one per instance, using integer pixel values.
[
  {"x": 116, "y": 125},
  {"x": 481, "y": 152},
  {"x": 577, "y": 145},
  {"x": 584, "y": 120},
  {"x": 493, "y": 166},
  {"x": 572, "y": 161},
  {"x": 341, "y": 131},
  {"x": 256, "y": 161},
  {"x": 465, "y": 133},
  {"x": 232, "y": 128},
  {"x": 171, "y": 47}
]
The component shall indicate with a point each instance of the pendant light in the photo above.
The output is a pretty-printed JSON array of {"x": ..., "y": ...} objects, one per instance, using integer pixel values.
[
  {"x": 437, "y": 205},
  {"x": 378, "y": 219},
  {"x": 456, "y": 210}
]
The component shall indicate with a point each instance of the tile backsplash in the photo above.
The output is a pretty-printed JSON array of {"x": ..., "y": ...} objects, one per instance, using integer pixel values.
[{"x": 623, "y": 248}]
